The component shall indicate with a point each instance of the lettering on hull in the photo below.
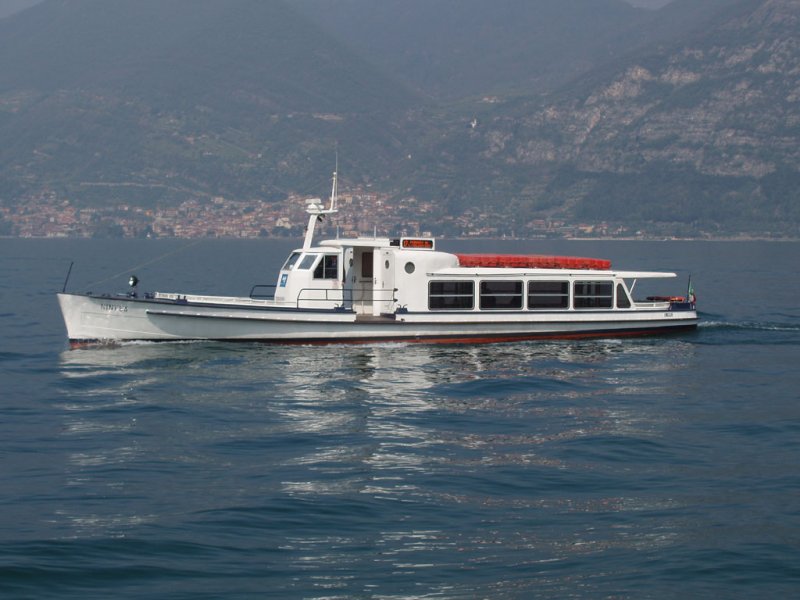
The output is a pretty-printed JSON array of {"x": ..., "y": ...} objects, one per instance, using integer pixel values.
[{"x": 114, "y": 307}]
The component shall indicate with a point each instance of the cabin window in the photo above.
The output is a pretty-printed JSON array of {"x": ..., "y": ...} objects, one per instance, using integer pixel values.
[
  {"x": 622, "y": 297},
  {"x": 328, "y": 267},
  {"x": 451, "y": 295},
  {"x": 548, "y": 295},
  {"x": 287, "y": 266},
  {"x": 308, "y": 261},
  {"x": 501, "y": 295},
  {"x": 594, "y": 294}
]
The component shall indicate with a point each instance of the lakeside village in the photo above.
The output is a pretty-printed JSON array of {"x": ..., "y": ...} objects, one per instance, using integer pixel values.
[{"x": 48, "y": 216}]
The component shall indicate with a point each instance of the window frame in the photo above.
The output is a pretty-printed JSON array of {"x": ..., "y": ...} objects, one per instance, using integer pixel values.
[
  {"x": 484, "y": 296},
  {"x": 591, "y": 300},
  {"x": 622, "y": 293},
  {"x": 455, "y": 294},
  {"x": 306, "y": 257},
  {"x": 565, "y": 295},
  {"x": 291, "y": 261},
  {"x": 324, "y": 270}
]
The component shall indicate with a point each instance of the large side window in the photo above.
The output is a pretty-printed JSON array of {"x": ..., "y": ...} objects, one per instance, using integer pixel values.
[
  {"x": 593, "y": 294},
  {"x": 328, "y": 267},
  {"x": 501, "y": 295},
  {"x": 451, "y": 295},
  {"x": 548, "y": 295}
]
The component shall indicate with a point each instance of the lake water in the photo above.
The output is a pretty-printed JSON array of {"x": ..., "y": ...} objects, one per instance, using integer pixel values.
[{"x": 638, "y": 468}]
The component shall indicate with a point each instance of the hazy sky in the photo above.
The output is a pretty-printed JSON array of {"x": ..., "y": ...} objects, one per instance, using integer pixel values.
[
  {"x": 649, "y": 3},
  {"x": 8, "y": 7}
]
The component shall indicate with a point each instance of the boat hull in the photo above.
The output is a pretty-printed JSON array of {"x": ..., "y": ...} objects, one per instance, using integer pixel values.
[{"x": 90, "y": 319}]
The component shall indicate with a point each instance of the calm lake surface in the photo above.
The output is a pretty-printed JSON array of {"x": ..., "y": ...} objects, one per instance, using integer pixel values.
[{"x": 638, "y": 468}]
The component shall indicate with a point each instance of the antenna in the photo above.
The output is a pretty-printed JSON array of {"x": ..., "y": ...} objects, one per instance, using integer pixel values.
[
  {"x": 334, "y": 186},
  {"x": 64, "y": 289}
]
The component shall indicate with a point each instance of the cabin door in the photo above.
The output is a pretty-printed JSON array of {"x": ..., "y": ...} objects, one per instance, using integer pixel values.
[{"x": 362, "y": 279}]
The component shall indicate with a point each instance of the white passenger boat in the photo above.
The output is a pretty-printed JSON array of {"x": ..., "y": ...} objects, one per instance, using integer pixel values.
[{"x": 392, "y": 289}]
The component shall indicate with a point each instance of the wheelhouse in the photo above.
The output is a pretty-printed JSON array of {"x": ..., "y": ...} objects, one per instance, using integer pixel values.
[{"x": 311, "y": 279}]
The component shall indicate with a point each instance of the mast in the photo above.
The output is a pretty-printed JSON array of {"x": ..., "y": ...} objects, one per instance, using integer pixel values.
[
  {"x": 317, "y": 212},
  {"x": 334, "y": 185}
]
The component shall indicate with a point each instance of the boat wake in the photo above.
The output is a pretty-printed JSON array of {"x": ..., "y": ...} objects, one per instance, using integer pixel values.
[
  {"x": 748, "y": 326},
  {"x": 748, "y": 333}
]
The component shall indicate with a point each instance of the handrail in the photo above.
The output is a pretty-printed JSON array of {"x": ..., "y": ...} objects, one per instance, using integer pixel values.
[
  {"x": 328, "y": 297},
  {"x": 273, "y": 287},
  {"x": 343, "y": 296},
  {"x": 338, "y": 295},
  {"x": 656, "y": 305}
]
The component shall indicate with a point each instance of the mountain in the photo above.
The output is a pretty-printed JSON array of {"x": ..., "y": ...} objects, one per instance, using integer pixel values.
[
  {"x": 188, "y": 52},
  {"x": 180, "y": 97},
  {"x": 450, "y": 49},
  {"x": 677, "y": 120},
  {"x": 702, "y": 133}
]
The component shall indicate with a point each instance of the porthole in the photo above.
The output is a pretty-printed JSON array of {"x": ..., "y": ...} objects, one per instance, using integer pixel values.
[
  {"x": 386, "y": 264},
  {"x": 410, "y": 267}
]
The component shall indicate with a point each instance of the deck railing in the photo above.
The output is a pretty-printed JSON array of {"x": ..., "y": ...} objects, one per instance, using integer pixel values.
[
  {"x": 660, "y": 305},
  {"x": 344, "y": 298}
]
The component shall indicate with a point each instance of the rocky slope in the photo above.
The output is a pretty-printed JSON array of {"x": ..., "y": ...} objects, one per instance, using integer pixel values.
[{"x": 719, "y": 110}]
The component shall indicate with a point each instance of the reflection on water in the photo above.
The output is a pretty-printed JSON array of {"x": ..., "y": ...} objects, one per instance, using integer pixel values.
[
  {"x": 595, "y": 468},
  {"x": 483, "y": 448}
]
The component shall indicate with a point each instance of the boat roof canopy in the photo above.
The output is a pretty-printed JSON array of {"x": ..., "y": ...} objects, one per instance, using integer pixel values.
[
  {"x": 356, "y": 243},
  {"x": 510, "y": 272},
  {"x": 645, "y": 274},
  {"x": 402, "y": 243}
]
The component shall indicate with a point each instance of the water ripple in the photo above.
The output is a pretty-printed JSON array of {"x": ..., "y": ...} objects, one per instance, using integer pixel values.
[{"x": 642, "y": 468}]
